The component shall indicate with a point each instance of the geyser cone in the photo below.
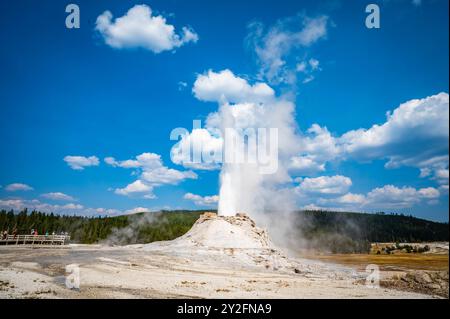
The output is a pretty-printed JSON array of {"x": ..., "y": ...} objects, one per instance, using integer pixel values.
[
  {"x": 214, "y": 231},
  {"x": 228, "y": 241}
]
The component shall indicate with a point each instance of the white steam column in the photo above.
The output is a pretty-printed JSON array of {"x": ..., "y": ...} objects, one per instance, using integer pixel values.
[{"x": 227, "y": 197}]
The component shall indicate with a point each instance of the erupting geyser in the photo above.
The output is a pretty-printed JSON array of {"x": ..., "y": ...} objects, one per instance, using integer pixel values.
[
  {"x": 227, "y": 200},
  {"x": 256, "y": 156}
]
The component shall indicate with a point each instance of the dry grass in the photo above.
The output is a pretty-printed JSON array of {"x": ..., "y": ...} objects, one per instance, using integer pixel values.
[{"x": 398, "y": 261}]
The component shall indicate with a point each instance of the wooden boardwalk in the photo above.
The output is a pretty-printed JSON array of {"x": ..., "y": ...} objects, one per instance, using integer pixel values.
[{"x": 35, "y": 240}]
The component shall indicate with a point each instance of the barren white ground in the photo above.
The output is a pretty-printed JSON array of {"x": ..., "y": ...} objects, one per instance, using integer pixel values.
[{"x": 218, "y": 258}]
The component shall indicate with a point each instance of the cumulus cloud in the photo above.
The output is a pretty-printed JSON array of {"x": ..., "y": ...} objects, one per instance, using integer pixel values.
[
  {"x": 35, "y": 204},
  {"x": 333, "y": 193},
  {"x": 58, "y": 196},
  {"x": 198, "y": 200},
  {"x": 124, "y": 164},
  {"x": 393, "y": 197},
  {"x": 201, "y": 142},
  {"x": 14, "y": 187},
  {"x": 443, "y": 189},
  {"x": 317, "y": 147},
  {"x": 136, "y": 187},
  {"x": 380, "y": 198},
  {"x": 139, "y": 28},
  {"x": 152, "y": 173},
  {"x": 351, "y": 199},
  {"x": 441, "y": 175},
  {"x": 137, "y": 210},
  {"x": 274, "y": 45},
  {"x": 246, "y": 105},
  {"x": 224, "y": 86},
  {"x": 80, "y": 162},
  {"x": 415, "y": 134},
  {"x": 306, "y": 164},
  {"x": 324, "y": 185},
  {"x": 66, "y": 209}
]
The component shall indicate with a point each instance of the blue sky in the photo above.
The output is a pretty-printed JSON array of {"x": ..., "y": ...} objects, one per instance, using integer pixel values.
[{"x": 92, "y": 93}]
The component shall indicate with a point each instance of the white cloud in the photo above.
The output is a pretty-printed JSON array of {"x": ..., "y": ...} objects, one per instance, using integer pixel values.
[
  {"x": 306, "y": 165},
  {"x": 67, "y": 209},
  {"x": 351, "y": 199},
  {"x": 182, "y": 85},
  {"x": 124, "y": 164},
  {"x": 301, "y": 67},
  {"x": 139, "y": 28},
  {"x": 443, "y": 189},
  {"x": 202, "y": 200},
  {"x": 380, "y": 198},
  {"x": 224, "y": 86},
  {"x": 415, "y": 128},
  {"x": 416, "y": 119},
  {"x": 416, "y": 134},
  {"x": 58, "y": 196},
  {"x": 324, "y": 185},
  {"x": 314, "y": 63},
  {"x": 392, "y": 197},
  {"x": 34, "y": 204},
  {"x": 441, "y": 175},
  {"x": 308, "y": 79},
  {"x": 308, "y": 69},
  {"x": 199, "y": 141},
  {"x": 152, "y": 174},
  {"x": 313, "y": 30},
  {"x": 137, "y": 210},
  {"x": 164, "y": 175},
  {"x": 429, "y": 192},
  {"x": 72, "y": 206},
  {"x": 80, "y": 162},
  {"x": 104, "y": 211},
  {"x": 317, "y": 147},
  {"x": 135, "y": 187},
  {"x": 274, "y": 46},
  {"x": 18, "y": 187}
]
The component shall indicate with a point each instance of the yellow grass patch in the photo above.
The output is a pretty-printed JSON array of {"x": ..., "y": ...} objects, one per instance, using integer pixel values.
[{"x": 397, "y": 261}]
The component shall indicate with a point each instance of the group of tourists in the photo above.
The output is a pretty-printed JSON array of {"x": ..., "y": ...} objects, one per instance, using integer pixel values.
[
  {"x": 34, "y": 232},
  {"x": 5, "y": 233}
]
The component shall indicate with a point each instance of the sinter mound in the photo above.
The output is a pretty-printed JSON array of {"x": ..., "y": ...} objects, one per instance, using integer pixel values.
[
  {"x": 232, "y": 241},
  {"x": 214, "y": 231}
]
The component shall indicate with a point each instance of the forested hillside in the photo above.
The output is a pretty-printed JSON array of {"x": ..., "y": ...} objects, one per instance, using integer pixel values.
[
  {"x": 140, "y": 228},
  {"x": 335, "y": 231},
  {"x": 342, "y": 232}
]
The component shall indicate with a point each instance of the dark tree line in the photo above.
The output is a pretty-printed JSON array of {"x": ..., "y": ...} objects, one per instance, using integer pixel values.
[
  {"x": 343, "y": 232},
  {"x": 145, "y": 227},
  {"x": 378, "y": 227},
  {"x": 335, "y": 231}
]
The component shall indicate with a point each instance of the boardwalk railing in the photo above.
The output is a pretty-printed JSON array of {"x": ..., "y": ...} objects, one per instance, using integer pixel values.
[{"x": 34, "y": 240}]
